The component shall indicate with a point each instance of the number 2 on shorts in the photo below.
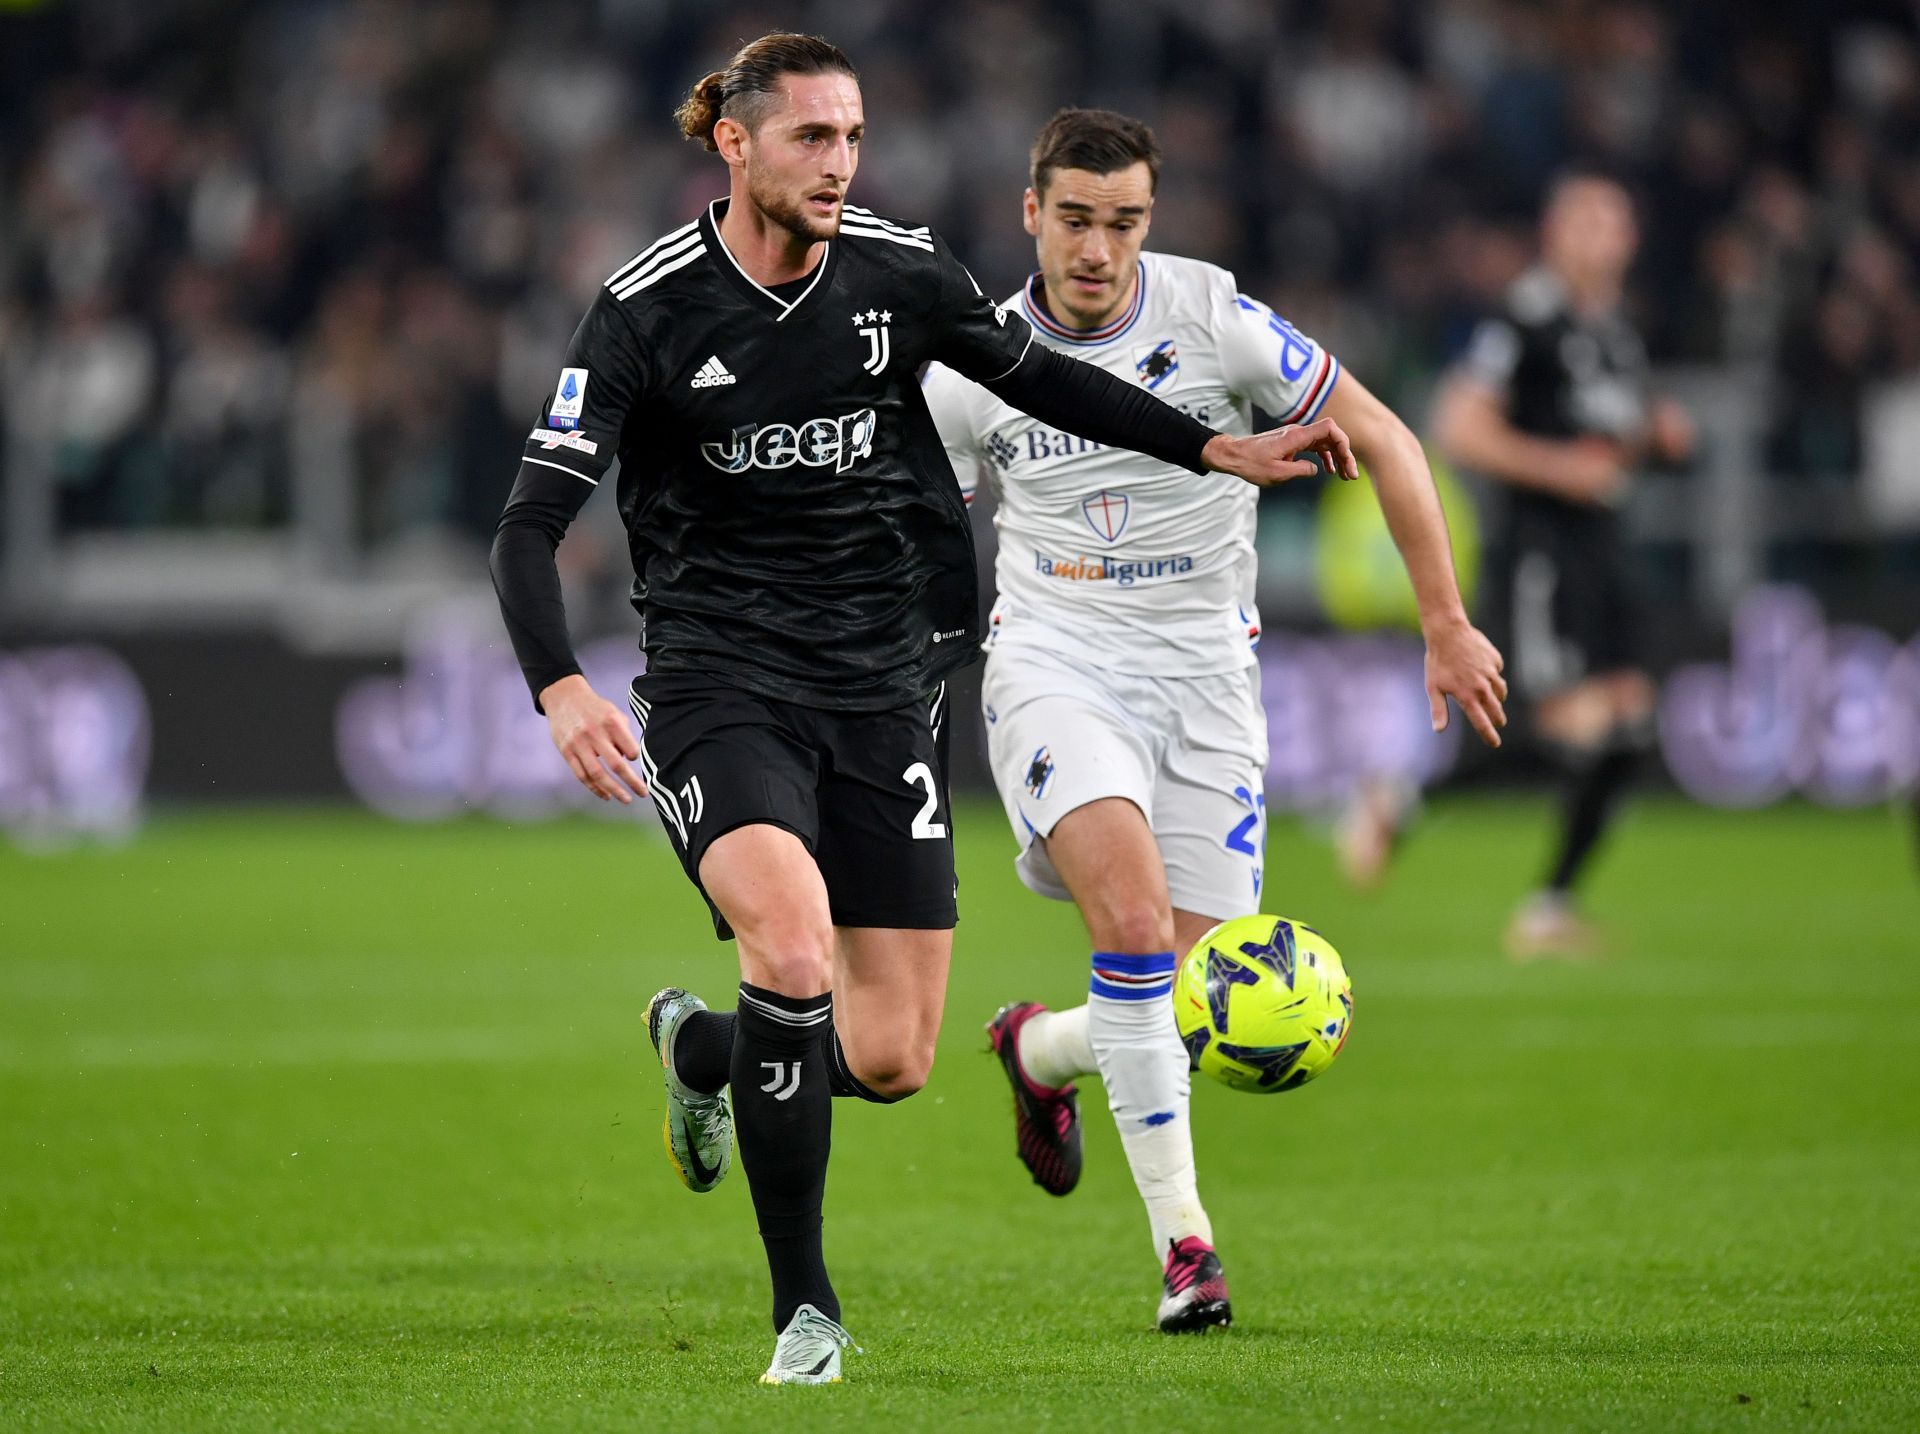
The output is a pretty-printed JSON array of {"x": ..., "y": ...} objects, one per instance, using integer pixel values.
[{"x": 924, "y": 827}]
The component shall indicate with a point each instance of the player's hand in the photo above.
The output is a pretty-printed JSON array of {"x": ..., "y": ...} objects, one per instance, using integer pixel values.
[
  {"x": 1593, "y": 471},
  {"x": 1463, "y": 665},
  {"x": 592, "y": 734},
  {"x": 1670, "y": 433},
  {"x": 1280, "y": 453}
]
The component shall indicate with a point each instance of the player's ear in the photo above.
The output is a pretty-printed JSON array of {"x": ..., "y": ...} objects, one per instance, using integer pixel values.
[
  {"x": 730, "y": 137},
  {"x": 1030, "y": 213}
]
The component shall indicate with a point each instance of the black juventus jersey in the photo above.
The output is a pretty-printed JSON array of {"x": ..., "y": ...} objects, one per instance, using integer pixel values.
[
  {"x": 1564, "y": 375},
  {"x": 794, "y": 525}
]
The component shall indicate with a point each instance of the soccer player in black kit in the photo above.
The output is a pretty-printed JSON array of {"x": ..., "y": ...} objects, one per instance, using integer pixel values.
[
  {"x": 804, "y": 572},
  {"x": 1552, "y": 401}
]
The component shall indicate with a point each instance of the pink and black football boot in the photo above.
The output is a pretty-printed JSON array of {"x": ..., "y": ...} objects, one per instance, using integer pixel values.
[
  {"x": 1046, "y": 1119},
  {"x": 1196, "y": 1289}
]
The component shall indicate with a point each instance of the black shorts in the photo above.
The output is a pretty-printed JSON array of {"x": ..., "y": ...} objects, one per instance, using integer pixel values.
[
  {"x": 1569, "y": 606},
  {"x": 865, "y": 791}
]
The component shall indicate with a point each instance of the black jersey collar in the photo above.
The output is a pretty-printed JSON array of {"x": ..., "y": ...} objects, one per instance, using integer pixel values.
[{"x": 776, "y": 307}]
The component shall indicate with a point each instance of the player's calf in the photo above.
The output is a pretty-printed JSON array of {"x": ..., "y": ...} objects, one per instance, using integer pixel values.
[
  {"x": 1148, "y": 1078},
  {"x": 888, "y": 1000}
]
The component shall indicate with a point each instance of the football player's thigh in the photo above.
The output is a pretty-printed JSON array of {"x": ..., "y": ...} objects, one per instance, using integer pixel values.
[
  {"x": 1620, "y": 660},
  {"x": 717, "y": 760},
  {"x": 889, "y": 994},
  {"x": 886, "y": 851},
  {"x": 886, "y": 843},
  {"x": 1577, "y": 710},
  {"x": 1210, "y": 808},
  {"x": 1531, "y": 579},
  {"x": 1054, "y": 751}
]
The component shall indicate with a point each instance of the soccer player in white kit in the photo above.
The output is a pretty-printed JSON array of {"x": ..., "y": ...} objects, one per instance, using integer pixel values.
[{"x": 1122, "y": 694}]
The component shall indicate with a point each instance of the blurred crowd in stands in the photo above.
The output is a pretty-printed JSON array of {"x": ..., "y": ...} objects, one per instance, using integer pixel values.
[{"x": 240, "y": 238}]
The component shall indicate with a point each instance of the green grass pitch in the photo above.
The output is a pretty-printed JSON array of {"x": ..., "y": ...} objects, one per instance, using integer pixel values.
[{"x": 311, "y": 1122}]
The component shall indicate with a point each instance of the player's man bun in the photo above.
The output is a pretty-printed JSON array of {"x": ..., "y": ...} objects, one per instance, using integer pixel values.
[
  {"x": 700, "y": 111},
  {"x": 1098, "y": 141},
  {"x": 745, "y": 90}
]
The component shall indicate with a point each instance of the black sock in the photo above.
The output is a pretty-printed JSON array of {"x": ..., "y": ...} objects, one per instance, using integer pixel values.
[
  {"x": 1592, "y": 795},
  {"x": 783, "y": 1114},
  {"x": 840, "y": 1077},
  {"x": 703, "y": 1056},
  {"x": 703, "y": 1050}
]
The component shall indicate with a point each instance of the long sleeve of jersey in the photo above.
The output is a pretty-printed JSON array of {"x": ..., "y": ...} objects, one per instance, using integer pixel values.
[
  {"x": 1091, "y": 403},
  {"x": 564, "y": 458},
  {"x": 526, "y": 578}
]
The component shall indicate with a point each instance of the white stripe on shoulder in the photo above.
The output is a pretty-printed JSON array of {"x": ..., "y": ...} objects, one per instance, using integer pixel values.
[
  {"x": 659, "y": 271},
  {"x": 652, "y": 249},
  {"x": 548, "y": 463},
  {"x": 665, "y": 256},
  {"x": 878, "y": 226},
  {"x": 863, "y": 232},
  {"x": 655, "y": 260},
  {"x": 867, "y": 216}
]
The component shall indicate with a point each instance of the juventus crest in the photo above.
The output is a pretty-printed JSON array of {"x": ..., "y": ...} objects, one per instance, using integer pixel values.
[
  {"x": 785, "y": 1080},
  {"x": 873, "y": 328}
]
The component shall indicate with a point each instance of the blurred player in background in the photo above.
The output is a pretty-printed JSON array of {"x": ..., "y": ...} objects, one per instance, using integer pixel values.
[
  {"x": 1551, "y": 399},
  {"x": 1122, "y": 695},
  {"x": 805, "y": 577}
]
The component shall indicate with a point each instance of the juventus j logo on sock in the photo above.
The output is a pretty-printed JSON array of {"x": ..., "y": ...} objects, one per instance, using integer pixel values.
[{"x": 786, "y": 1078}]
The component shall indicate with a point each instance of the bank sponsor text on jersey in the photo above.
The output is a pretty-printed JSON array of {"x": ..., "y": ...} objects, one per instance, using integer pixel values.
[{"x": 1038, "y": 443}]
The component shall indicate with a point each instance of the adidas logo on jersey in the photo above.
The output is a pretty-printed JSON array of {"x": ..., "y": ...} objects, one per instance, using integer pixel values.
[{"x": 713, "y": 374}]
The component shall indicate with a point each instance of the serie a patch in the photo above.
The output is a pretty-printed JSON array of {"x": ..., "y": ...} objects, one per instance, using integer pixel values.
[{"x": 569, "y": 399}]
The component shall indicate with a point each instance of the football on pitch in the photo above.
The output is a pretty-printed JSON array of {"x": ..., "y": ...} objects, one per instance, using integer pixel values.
[{"x": 1263, "y": 1004}]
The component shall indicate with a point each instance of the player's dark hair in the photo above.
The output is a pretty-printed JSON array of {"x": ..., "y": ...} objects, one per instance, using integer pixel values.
[
  {"x": 1582, "y": 171},
  {"x": 1098, "y": 141},
  {"x": 746, "y": 89}
]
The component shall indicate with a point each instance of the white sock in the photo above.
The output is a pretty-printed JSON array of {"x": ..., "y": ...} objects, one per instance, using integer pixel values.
[
  {"x": 1053, "y": 1047},
  {"x": 1145, "y": 1069}
]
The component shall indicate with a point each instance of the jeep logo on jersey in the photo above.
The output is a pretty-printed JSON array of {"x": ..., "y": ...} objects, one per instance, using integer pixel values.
[
  {"x": 1159, "y": 366},
  {"x": 836, "y": 443},
  {"x": 1107, "y": 513}
]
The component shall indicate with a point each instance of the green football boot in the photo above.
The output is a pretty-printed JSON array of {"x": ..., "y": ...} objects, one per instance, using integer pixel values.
[{"x": 699, "y": 1128}]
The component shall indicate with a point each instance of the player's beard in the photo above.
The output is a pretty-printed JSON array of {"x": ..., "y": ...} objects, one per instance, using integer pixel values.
[{"x": 790, "y": 214}]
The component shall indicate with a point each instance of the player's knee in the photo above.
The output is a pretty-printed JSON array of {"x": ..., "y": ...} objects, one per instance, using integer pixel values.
[
  {"x": 795, "y": 960},
  {"x": 1134, "y": 926},
  {"x": 1576, "y": 721},
  {"x": 1633, "y": 698},
  {"x": 896, "y": 1073}
]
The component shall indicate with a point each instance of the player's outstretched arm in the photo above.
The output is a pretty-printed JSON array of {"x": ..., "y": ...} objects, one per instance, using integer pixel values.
[
  {"x": 1089, "y": 402},
  {"x": 1461, "y": 663}
]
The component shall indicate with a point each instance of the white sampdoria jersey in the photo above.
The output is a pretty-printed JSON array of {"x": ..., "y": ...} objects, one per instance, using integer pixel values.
[{"x": 1106, "y": 555}]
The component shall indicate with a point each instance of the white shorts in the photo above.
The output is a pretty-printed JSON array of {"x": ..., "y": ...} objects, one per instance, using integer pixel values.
[{"x": 1190, "y": 752}]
